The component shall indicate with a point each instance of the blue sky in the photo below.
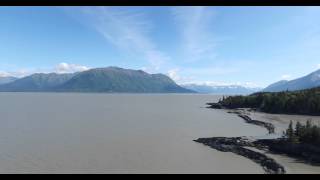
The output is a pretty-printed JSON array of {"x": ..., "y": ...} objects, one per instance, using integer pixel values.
[{"x": 252, "y": 46}]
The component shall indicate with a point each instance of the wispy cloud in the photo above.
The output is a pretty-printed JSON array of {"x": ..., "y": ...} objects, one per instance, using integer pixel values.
[
  {"x": 173, "y": 74},
  {"x": 69, "y": 68},
  {"x": 4, "y": 74},
  {"x": 59, "y": 68},
  {"x": 198, "y": 42},
  {"x": 209, "y": 71},
  {"x": 128, "y": 30},
  {"x": 18, "y": 73},
  {"x": 286, "y": 77},
  {"x": 187, "y": 75}
]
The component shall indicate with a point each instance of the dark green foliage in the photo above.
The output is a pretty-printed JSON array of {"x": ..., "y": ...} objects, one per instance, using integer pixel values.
[
  {"x": 299, "y": 129},
  {"x": 297, "y": 102},
  {"x": 291, "y": 134},
  {"x": 307, "y": 134}
]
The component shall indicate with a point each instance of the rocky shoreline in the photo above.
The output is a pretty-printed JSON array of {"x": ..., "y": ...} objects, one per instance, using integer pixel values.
[
  {"x": 240, "y": 145},
  {"x": 243, "y": 146},
  {"x": 270, "y": 127},
  {"x": 307, "y": 153},
  {"x": 237, "y": 145}
]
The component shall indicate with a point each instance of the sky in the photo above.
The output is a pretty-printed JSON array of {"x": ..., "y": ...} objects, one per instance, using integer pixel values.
[{"x": 250, "y": 46}]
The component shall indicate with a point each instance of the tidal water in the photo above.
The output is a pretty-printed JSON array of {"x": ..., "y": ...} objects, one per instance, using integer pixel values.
[{"x": 116, "y": 133}]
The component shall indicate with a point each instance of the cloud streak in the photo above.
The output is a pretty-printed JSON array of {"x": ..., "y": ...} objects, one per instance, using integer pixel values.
[
  {"x": 128, "y": 31},
  {"x": 195, "y": 26}
]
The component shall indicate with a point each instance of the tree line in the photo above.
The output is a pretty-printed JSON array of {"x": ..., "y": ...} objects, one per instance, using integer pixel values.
[
  {"x": 297, "y": 102},
  {"x": 307, "y": 134}
]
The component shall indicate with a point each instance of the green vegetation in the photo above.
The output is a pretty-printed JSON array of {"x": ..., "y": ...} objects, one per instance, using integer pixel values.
[
  {"x": 306, "y": 134},
  {"x": 297, "y": 102}
]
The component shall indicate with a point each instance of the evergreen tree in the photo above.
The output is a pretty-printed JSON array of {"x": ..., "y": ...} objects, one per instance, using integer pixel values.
[
  {"x": 290, "y": 132},
  {"x": 299, "y": 131},
  {"x": 308, "y": 133}
]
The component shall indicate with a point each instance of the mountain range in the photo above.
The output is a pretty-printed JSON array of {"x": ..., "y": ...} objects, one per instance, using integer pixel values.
[
  {"x": 119, "y": 80},
  {"x": 5, "y": 80},
  {"x": 221, "y": 89},
  {"x": 309, "y": 81},
  {"x": 110, "y": 79}
]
